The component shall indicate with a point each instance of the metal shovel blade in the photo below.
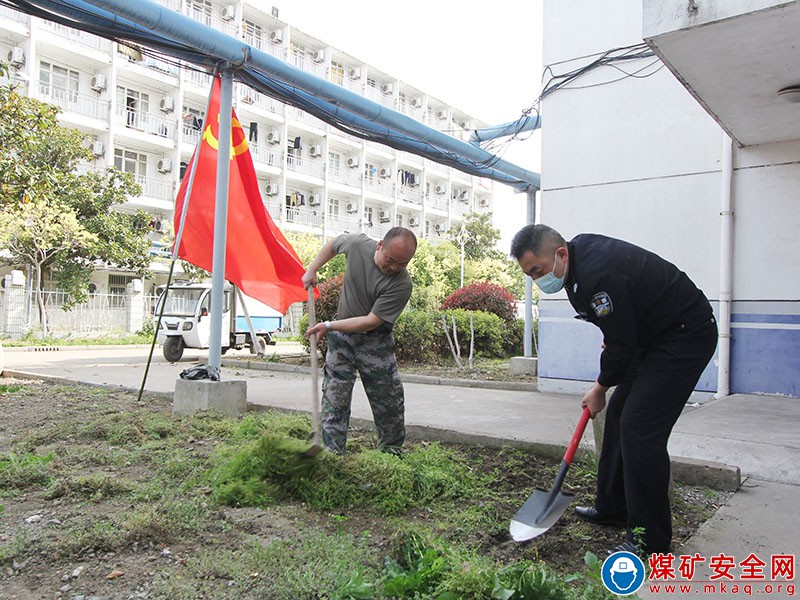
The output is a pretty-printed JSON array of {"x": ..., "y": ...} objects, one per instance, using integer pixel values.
[{"x": 536, "y": 516}]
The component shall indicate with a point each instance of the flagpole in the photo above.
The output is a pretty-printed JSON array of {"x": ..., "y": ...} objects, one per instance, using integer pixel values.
[{"x": 220, "y": 221}]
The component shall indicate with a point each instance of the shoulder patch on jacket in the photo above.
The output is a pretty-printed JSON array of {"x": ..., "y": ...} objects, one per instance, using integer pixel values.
[{"x": 602, "y": 305}]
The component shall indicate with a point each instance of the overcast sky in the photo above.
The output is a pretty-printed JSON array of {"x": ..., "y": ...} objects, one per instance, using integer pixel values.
[{"x": 483, "y": 58}]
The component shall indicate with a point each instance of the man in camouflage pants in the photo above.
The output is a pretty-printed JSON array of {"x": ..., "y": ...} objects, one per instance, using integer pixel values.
[{"x": 376, "y": 288}]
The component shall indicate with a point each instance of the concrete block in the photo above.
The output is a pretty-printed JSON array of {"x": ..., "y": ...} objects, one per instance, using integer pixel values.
[
  {"x": 228, "y": 397},
  {"x": 717, "y": 476},
  {"x": 523, "y": 365}
]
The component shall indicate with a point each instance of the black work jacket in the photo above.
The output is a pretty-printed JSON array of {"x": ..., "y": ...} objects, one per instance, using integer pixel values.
[{"x": 634, "y": 296}]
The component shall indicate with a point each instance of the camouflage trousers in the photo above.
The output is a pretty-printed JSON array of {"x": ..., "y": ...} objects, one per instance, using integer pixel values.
[{"x": 372, "y": 356}]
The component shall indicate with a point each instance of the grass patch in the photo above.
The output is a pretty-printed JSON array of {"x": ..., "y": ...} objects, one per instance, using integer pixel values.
[
  {"x": 271, "y": 469},
  {"x": 23, "y": 471}
]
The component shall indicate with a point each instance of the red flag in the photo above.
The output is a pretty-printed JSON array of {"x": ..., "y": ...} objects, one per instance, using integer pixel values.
[{"x": 258, "y": 258}]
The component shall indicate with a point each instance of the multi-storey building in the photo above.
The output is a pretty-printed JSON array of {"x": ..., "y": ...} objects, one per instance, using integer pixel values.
[{"x": 144, "y": 116}]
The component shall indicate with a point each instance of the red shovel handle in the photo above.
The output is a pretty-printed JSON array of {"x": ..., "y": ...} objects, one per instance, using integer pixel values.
[{"x": 576, "y": 437}]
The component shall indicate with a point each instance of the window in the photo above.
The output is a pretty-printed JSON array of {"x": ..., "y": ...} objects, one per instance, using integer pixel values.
[
  {"x": 58, "y": 82},
  {"x": 253, "y": 33},
  {"x": 333, "y": 207},
  {"x": 137, "y": 105},
  {"x": 334, "y": 161},
  {"x": 337, "y": 73},
  {"x": 131, "y": 162},
  {"x": 200, "y": 10},
  {"x": 398, "y": 220},
  {"x": 370, "y": 171},
  {"x": 116, "y": 289},
  {"x": 368, "y": 210}
]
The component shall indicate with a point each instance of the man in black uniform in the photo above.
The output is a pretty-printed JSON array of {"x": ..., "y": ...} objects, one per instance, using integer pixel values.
[{"x": 659, "y": 334}]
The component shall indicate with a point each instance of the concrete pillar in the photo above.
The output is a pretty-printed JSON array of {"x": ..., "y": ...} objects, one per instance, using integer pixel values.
[
  {"x": 134, "y": 319},
  {"x": 14, "y": 321},
  {"x": 192, "y": 395}
]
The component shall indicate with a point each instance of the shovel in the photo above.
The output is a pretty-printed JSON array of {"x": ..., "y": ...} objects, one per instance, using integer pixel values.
[
  {"x": 316, "y": 446},
  {"x": 542, "y": 509}
]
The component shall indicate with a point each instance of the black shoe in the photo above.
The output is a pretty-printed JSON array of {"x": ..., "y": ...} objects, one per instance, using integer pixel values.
[
  {"x": 627, "y": 546},
  {"x": 590, "y": 514}
]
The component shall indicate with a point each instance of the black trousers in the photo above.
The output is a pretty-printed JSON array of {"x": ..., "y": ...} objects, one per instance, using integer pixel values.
[{"x": 633, "y": 472}]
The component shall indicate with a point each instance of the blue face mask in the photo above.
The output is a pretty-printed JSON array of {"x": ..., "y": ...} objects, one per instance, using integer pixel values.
[{"x": 550, "y": 284}]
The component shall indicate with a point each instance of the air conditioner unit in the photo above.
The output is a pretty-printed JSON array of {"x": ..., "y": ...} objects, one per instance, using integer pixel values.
[
  {"x": 441, "y": 114},
  {"x": 464, "y": 196},
  {"x": 352, "y": 162},
  {"x": 98, "y": 82},
  {"x": 485, "y": 202},
  {"x": 16, "y": 56},
  {"x": 157, "y": 225},
  {"x": 386, "y": 88},
  {"x": 352, "y": 207},
  {"x": 439, "y": 189},
  {"x": 465, "y": 124},
  {"x": 315, "y": 150},
  {"x": 229, "y": 12},
  {"x": 98, "y": 148},
  {"x": 272, "y": 189},
  {"x": 248, "y": 97},
  {"x": 167, "y": 104},
  {"x": 276, "y": 36},
  {"x": 384, "y": 216},
  {"x": 416, "y": 102},
  {"x": 412, "y": 221},
  {"x": 384, "y": 172},
  {"x": 314, "y": 199},
  {"x": 274, "y": 136},
  {"x": 164, "y": 165},
  {"x": 438, "y": 228},
  {"x": 318, "y": 56},
  {"x": 354, "y": 73}
]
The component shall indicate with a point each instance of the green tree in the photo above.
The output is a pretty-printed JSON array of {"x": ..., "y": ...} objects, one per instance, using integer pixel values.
[
  {"x": 478, "y": 235},
  {"x": 40, "y": 189}
]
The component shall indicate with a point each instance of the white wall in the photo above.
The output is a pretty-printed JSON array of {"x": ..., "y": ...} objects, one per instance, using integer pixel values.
[{"x": 639, "y": 159}]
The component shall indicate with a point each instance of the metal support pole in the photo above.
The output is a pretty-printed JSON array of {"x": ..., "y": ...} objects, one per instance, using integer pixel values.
[
  {"x": 528, "y": 331},
  {"x": 220, "y": 221}
]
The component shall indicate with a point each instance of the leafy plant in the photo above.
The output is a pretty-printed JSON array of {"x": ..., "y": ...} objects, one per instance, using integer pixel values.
[{"x": 483, "y": 296}]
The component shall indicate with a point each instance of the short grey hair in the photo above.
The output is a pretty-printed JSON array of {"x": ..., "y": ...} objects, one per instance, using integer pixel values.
[
  {"x": 400, "y": 232},
  {"x": 535, "y": 239}
]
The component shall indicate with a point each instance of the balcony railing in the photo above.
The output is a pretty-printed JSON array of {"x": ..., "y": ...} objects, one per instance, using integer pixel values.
[
  {"x": 349, "y": 224},
  {"x": 13, "y": 15},
  {"x": 199, "y": 78},
  {"x": 380, "y": 185},
  {"x": 303, "y": 165},
  {"x": 377, "y": 231},
  {"x": 253, "y": 98},
  {"x": 75, "y": 35},
  {"x": 73, "y": 101},
  {"x": 153, "y": 187},
  {"x": 437, "y": 201},
  {"x": 274, "y": 210},
  {"x": 146, "y": 122},
  {"x": 410, "y": 194},
  {"x": 266, "y": 154},
  {"x": 304, "y": 216},
  {"x": 347, "y": 177},
  {"x": 191, "y": 135}
]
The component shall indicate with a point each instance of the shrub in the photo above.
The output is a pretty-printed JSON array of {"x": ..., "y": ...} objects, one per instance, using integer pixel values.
[
  {"x": 483, "y": 296},
  {"x": 324, "y": 308},
  {"x": 416, "y": 336}
]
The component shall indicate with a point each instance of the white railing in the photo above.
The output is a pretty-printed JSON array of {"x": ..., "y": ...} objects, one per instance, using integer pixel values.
[
  {"x": 190, "y": 134},
  {"x": 69, "y": 100},
  {"x": 409, "y": 194},
  {"x": 303, "y": 216},
  {"x": 348, "y": 177},
  {"x": 302, "y": 165},
  {"x": 147, "y": 122},
  {"x": 380, "y": 185},
  {"x": 274, "y": 210},
  {"x": 437, "y": 201},
  {"x": 350, "y": 224},
  {"x": 198, "y": 78},
  {"x": 253, "y": 98},
  {"x": 14, "y": 15},
  {"x": 76, "y": 35},
  {"x": 153, "y": 187},
  {"x": 377, "y": 231},
  {"x": 266, "y": 154}
]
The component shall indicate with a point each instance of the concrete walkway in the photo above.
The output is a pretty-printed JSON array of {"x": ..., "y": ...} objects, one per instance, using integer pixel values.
[{"x": 757, "y": 434}]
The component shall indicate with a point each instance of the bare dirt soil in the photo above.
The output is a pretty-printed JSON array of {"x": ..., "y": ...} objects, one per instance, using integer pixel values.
[{"x": 48, "y": 548}]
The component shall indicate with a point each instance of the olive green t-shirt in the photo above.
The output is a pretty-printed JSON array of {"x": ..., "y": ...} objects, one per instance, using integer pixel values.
[{"x": 366, "y": 288}]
